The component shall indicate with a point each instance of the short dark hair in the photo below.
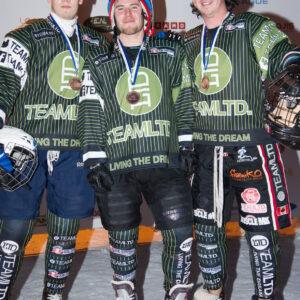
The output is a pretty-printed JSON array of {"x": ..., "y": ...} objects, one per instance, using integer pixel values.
[{"x": 230, "y": 4}]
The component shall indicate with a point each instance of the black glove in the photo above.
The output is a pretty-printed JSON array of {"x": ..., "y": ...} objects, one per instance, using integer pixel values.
[
  {"x": 169, "y": 35},
  {"x": 100, "y": 177},
  {"x": 187, "y": 160},
  {"x": 1, "y": 123}
]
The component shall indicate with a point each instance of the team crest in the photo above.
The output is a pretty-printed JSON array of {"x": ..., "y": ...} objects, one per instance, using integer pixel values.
[
  {"x": 147, "y": 87},
  {"x": 60, "y": 72},
  {"x": 218, "y": 73}
]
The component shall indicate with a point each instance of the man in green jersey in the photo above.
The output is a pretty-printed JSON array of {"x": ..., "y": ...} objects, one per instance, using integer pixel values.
[
  {"x": 231, "y": 57},
  {"x": 40, "y": 78},
  {"x": 135, "y": 115}
]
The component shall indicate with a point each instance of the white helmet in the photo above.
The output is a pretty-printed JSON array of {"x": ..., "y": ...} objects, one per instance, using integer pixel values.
[{"x": 18, "y": 158}]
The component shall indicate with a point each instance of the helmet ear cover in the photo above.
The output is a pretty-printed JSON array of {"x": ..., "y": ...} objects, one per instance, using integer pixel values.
[
  {"x": 18, "y": 158},
  {"x": 283, "y": 107}
]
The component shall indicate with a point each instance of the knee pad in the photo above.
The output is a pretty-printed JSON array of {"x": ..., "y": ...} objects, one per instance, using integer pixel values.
[
  {"x": 123, "y": 253},
  {"x": 264, "y": 251},
  {"x": 14, "y": 236},
  {"x": 211, "y": 251},
  {"x": 176, "y": 256},
  {"x": 60, "y": 251}
]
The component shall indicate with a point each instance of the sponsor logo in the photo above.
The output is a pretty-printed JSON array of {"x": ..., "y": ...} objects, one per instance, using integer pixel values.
[
  {"x": 64, "y": 238},
  {"x": 232, "y": 27},
  {"x": 242, "y": 156},
  {"x": 201, "y": 213},
  {"x": 224, "y": 108},
  {"x": 246, "y": 175},
  {"x": 9, "y": 247},
  {"x": 213, "y": 281},
  {"x": 90, "y": 40},
  {"x": 208, "y": 256},
  {"x": 254, "y": 208},
  {"x": 122, "y": 252},
  {"x": 55, "y": 274},
  {"x": 43, "y": 34},
  {"x": 14, "y": 56},
  {"x": 149, "y": 87},
  {"x": 170, "y": 25},
  {"x": 251, "y": 195},
  {"x": 186, "y": 245},
  {"x": 55, "y": 286},
  {"x": 213, "y": 270},
  {"x": 61, "y": 262},
  {"x": 60, "y": 250},
  {"x": 156, "y": 50},
  {"x": 254, "y": 221},
  {"x": 276, "y": 173},
  {"x": 260, "y": 242},
  {"x": 282, "y": 210},
  {"x": 208, "y": 247}
]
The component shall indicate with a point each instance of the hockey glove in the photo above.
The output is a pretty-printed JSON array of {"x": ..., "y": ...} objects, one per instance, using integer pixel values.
[
  {"x": 187, "y": 159},
  {"x": 100, "y": 177}
]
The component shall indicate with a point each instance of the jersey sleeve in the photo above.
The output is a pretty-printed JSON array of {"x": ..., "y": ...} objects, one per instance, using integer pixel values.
[
  {"x": 183, "y": 96},
  {"x": 91, "y": 118},
  {"x": 270, "y": 45},
  {"x": 14, "y": 67}
]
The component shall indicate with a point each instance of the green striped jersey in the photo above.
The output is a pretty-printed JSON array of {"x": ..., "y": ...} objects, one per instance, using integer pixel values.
[
  {"x": 145, "y": 134},
  {"x": 248, "y": 50},
  {"x": 35, "y": 70}
]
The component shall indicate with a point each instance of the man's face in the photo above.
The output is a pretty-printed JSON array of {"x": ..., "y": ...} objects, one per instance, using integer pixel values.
[
  {"x": 128, "y": 16},
  {"x": 66, "y": 9},
  {"x": 209, "y": 8}
]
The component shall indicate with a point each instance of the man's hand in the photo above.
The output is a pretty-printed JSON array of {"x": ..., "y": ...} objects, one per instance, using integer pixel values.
[
  {"x": 100, "y": 177},
  {"x": 187, "y": 159}
]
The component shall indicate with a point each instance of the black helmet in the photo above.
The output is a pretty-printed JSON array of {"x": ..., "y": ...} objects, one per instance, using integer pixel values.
[{"x": 283, "y": 107}]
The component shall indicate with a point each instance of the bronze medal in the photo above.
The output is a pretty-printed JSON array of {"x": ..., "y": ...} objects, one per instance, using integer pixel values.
[
  {"x": 133, "y": 97},
  {"x": 205, "y": 83},
  {"x": 75, "y": 83}
]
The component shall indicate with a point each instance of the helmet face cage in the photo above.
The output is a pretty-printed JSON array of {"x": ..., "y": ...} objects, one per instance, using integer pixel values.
[
  {"x": 283, "y": 110},
  {"x": 22, "y": 159}
]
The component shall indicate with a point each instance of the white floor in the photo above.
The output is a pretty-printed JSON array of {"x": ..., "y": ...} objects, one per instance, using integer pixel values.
[{"x": 94, "y": 274}]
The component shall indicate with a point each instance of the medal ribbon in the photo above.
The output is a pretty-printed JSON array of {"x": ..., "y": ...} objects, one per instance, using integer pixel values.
[
  {"x": 132, "y": 71},
  {"x": 76, "y": 63},
  {"x": 205, "y": 62}
]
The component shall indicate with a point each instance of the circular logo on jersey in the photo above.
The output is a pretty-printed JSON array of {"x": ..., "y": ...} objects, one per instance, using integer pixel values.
[
  {"x": 9, "y": 247},
  {"x": 251, "y": 195},
  {"x": 218, "y": 72},
  {"x": 60, "y": 72},
  {"x": 281, "y": 196},
  {"x": 147, "y": 85},
  {"x": 260, "y": 242}
]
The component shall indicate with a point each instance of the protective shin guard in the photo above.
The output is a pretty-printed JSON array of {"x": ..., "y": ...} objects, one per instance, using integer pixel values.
[
  {"x": 14, "y": 236},
  {"x": 264, "y": 251},
  {"x": 59, "y": 253},
  {"x": 211, "y": 250},
  {"x": 176, "y": 256},
  {"x": 123, "y": 253}
]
